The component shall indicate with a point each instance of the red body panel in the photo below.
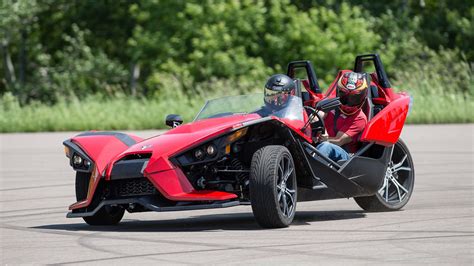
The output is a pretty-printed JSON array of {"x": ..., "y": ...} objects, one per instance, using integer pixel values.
[
  {"x": 101, "y": 149},
  {"x": 94, "y": 181},
  {"x": 169, "y": 180},
  {"x": 385, "y": 128},
  {"x": 296, "y": 126},
  {"x": 314, "y": 97}
]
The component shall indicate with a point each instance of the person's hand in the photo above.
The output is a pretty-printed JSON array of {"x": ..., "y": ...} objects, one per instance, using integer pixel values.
[
  {"x": 315, "y": 118},
  {"x": 323, "y": 137}
]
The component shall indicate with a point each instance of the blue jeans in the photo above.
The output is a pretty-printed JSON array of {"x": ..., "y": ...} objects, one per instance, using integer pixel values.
[{"x": 334, "y": 152}]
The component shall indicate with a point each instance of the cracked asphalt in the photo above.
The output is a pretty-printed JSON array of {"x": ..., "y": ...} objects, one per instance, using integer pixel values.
[{"x": 436, "y": 226}]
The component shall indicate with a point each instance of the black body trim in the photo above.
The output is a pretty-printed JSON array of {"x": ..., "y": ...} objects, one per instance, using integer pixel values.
[
  {"x": 351, "y": 179},
  {"x": 254, "y": 122},
  {"x": 380, "y": 70},
  {"x": 128, "y": 169},
  {"x": 356, "y": 169},
  {"x": 330, "y": 175},
  {"x": 313, "y": 80},
  {"x": 150, "y": 205}
]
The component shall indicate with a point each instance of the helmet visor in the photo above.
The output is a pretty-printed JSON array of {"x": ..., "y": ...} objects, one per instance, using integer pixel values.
[
  {"x": 351, "y": 97},
  {"x": 276, "y": 97}
]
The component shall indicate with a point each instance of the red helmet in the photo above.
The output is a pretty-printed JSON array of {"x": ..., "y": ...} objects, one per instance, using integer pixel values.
[{"x": 352, "y": 90}]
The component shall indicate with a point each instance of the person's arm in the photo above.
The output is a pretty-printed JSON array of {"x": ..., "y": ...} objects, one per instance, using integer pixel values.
[
  {"x": 347, "y": 133},
  {"x": 321, "y": 114},
  {"x": 340, "y": 139}
]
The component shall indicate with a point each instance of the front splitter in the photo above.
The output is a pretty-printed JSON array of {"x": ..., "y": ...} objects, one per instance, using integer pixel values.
[{"x": 150, "y": 206}]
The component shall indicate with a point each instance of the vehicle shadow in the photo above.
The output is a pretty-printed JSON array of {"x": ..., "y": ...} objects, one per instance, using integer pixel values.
[{"x": 232, "y": 221}]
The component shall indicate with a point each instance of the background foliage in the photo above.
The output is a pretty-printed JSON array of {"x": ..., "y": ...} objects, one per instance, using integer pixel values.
[{"x": 77, "y": 65}]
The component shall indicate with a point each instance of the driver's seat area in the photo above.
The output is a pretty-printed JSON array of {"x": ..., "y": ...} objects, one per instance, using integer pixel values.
[{"x": 368, "y": 106}]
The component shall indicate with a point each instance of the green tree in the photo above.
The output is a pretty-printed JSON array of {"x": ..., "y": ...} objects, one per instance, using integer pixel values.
[{"x": 202, "y": 40}]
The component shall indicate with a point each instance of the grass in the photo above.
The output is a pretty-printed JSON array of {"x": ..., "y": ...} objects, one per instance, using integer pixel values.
[
  {"x": 128, "y": 113},
  {"x": 112, "y": 114},
  {"x": 444, "y": 108}
]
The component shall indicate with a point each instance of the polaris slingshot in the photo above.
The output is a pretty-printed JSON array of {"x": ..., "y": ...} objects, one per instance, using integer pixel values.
[{"x": 231, "y": 155}]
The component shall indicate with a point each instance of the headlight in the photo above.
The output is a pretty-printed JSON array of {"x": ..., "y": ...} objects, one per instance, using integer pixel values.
[
  {"x": 77, "y": 160},
  {"x": 211, "y": 150},
  {"x": 198, "y": 154}
]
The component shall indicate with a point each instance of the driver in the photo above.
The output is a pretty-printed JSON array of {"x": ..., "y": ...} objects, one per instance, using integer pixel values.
[{"x": 344, "y": 125}]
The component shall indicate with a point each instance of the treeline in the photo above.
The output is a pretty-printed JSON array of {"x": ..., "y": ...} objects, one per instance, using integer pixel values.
[{"x": 57, "y": 49}]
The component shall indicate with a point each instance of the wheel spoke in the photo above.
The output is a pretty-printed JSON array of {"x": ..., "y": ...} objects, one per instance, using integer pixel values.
[
  {"x": 280, "y": 192},
  {"x": 403, "y": 168},
  {"x": 291, "y": 194},
  {"x": 400, "y": 163},
  {"x": 288, "y": 173},
  {"x": 398, "y": 191},
  {"x": 385, "y": 180},
  {"x": 399, "y": 185},
  {"x": 386, "y": 192},
  {"x": 285, "y": 205},
  {"x": 281, "y": 171}
]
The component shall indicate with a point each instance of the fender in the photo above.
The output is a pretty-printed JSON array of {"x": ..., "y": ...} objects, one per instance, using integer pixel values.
[
  {"x": 385, "y": 128},
  {"x": 99, "y": 147}
]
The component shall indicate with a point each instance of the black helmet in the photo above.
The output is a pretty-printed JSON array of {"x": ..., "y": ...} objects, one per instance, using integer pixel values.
[{"x": 278, "y": 89}]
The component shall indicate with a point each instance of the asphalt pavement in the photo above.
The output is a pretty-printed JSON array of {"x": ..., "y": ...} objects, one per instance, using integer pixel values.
[{"x": 435, "y": 227}]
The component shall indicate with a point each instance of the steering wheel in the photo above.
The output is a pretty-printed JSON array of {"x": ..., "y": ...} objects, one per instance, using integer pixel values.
[
  {"x": 317, "y": 126},
  {"x": 311, "y": 109}
]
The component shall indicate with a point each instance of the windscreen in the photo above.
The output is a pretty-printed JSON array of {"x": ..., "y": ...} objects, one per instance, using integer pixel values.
[{"x": 251, "y": 103}]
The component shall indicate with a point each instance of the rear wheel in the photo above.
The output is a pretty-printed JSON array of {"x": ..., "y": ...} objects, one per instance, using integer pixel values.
[
  {"x": 273, "y": 191},
  {"x": 397, "y": 186},
  {"x": 107, "y": 215}
]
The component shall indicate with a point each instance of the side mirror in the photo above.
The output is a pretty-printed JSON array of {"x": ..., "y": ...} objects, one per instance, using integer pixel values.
[
  {"x": 328, "y": 104},
  {"x": 173, "y": 120}
]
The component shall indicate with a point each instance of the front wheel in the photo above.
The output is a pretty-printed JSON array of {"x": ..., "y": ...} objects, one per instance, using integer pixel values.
[
  {"x": 398, "y": 183},
  {"x": 273, "y": 191},
  {"x": 107, "y": 215}
]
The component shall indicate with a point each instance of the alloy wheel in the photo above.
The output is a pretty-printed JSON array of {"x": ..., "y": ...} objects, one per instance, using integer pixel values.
[
  {"x": 286, "y": 192},
  {"x": 398, "y": 179}
]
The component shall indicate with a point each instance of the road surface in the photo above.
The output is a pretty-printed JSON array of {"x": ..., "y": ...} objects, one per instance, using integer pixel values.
[{"x": 436, "y": 227}]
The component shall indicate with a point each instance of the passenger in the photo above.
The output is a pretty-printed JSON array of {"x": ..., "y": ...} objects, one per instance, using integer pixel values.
[
  {"x": 345, "y": 124},
  {"x": 277, "y": 94}
]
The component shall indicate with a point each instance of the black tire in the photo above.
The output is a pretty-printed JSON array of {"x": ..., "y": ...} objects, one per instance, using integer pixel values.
[
  {"x": 107, "y": 215},
  {"x": 270, "y": 192},
  {"x": 386, "y": 198}
]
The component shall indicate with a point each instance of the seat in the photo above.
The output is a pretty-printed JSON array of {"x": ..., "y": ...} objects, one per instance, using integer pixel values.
[
  {"x": 368, "y": 107},
  {"x": 305, "y": 95}
]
